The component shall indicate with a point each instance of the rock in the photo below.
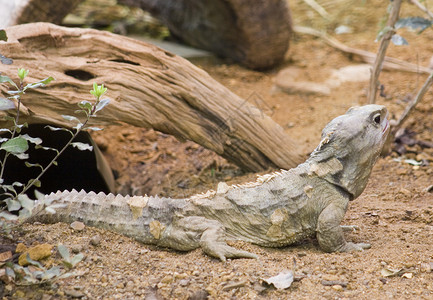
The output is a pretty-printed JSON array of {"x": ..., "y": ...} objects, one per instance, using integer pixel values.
[
  {"x": 303, "y": 87},
  {"x": 405, "y": 192},
  {"x": 21, "y": 248},
  {"x": 36, "y": 253},
  {"x": 286, "y": 81},
  {"x": 78, "y": 226},
  {"x": 95, "y": 240},
  {"x": 353, "y": 73},
  {"x": 74, "y": 293},
  {"x": 337, "y": 287},
  {"x": 426, "y": 267},
  {"x": 199, "y": 295},
  {"x": 76, "y": 248}
]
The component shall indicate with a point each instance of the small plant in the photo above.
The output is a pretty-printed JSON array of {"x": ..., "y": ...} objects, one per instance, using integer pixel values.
[
  {"x": 16, "y": 205},
  {"x": 36, "y": 273}
]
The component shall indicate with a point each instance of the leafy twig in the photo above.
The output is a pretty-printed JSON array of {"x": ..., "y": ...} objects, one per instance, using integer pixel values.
[
  {"x": 386, "y": 38},
  {"x": 390, "y": 63},
  {"x": 422, "y": 7},
  {"x": 427, "y": 84}
]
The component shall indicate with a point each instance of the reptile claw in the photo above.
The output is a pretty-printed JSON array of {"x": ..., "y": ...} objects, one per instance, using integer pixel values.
[
  {"x": 351, "y": 247},
  {"x": 352, "y": 228}
]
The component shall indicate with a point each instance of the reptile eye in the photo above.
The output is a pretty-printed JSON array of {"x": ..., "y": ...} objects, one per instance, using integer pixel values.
[{"x": 377, "y": 119}]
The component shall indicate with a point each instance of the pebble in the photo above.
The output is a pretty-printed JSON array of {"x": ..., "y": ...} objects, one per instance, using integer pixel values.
[
  {"x": 74, "y": 293},
  {"x": 78, "y": 226},
  {"x": 95, "y": 240},
  {"x": 337, "y": 287},
  {"x": 199, "y": 295},
  {"x": 167, "y": 279},
  {"x": 76, "y": 248},
  {"x": 330, "y": 277},
  {"x": 36, "y": 253},
  {"x": 405, "y": 192},
  {"x": 21, "y": 248},
  {"x": 401, "y": 172}
]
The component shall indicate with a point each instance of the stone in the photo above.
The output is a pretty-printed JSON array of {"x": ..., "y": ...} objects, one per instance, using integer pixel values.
[
  {"x": 37, "y": 253},
  {"x": 78, "y": 226},
  {"x": 95, "y": 240}
]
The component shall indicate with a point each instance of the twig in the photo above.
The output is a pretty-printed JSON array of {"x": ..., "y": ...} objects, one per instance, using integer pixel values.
[
  {"x": 427, "y": 84},
  {"x": 422, "y": 7},
  {"x": 390, "y": 63},
  {"x": 386, "y": 38},
  {"x": 318, "y": 8}
]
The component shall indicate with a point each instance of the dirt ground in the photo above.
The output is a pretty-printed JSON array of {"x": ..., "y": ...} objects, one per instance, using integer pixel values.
[{"x": 394, "y": 214}]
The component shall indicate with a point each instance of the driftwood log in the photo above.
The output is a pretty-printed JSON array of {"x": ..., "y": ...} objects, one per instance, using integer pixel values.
[
  {"x": 148, "y": 86},
  {"x": 255, "y": 34},
  {"x": 26, "y": 11}
]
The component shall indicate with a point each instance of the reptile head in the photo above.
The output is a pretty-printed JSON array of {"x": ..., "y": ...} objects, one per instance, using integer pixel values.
[{"x": 350, "y": 146}]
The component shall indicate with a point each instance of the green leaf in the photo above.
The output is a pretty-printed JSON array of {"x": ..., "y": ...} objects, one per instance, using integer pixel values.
[
  {"x": 5, "y": 130},
  {"x": 64, "y": 252},
  {"x": 52, "y": 128},
  {"x": 26, "y": 202},
  {"x": 70, "y": 118},
  {"x": 30, "y": 139},
  {"x": 30, "y": 165},
  {"x": 13, "y": 205},
  {"x": 8, "y": 187},
  {"x": 10, "y": 273},
  {"x": 22, "y": 73},
  {"x": 7, "y": 79},
  {"x": 398, "y": 40},
  {"x": 54, "y": 272},
  {"x": 76, "y": 259},
  {"x": 6, "y": 104},
  {"x": 24, "y": 214},
  {"x": 78, "y": 126},
  {"x": 414, "y": 23},
  {"x": 3, "y": 35},
  {"x": 33, "y": 262},
  {"x": 39, "y": 196},
  {"x": 8, "y": 216},
  {"x": 22, "y": 156},
  {"x": 94, "y": 128},
  {"x": 82, "y": 146},
  {"x": 86, "y": 105},
  {"x": 102, "y": 104},
  {"x": 37, "y": 183},
  {"x": 46, "y": 148},
  {"x": 40, "y": 83},
  {"x": 15, "y": 146},
  {"x": 34, "y": 182},
  {"x": 98, "y": 90}
]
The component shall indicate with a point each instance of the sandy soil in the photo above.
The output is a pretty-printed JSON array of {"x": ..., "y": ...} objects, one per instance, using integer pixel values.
[{"x": 394, "y": 214}]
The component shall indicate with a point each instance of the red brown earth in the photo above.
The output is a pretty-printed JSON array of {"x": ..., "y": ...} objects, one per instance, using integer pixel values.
[{"x": 394, "y": 214}]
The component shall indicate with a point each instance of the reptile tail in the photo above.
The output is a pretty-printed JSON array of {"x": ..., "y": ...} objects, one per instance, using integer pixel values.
[{"x": 128, "y": 215}]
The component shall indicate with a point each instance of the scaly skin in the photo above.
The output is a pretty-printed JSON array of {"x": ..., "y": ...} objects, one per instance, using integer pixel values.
[{"x": 278, "y": 209}]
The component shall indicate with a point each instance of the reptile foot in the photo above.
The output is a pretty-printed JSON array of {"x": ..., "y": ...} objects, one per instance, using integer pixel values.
[
  {"x": 351, "y": 247},
  {"x": 212, "y": 242},
  {"x": 351, "y": 228}
]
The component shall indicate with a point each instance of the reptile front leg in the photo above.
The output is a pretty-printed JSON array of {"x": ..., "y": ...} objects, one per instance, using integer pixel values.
[
  {"x": 188, "y": 233},
  {"x": 330, "y": 233}
]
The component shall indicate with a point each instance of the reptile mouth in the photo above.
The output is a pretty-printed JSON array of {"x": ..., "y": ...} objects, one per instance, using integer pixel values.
[{"x": 386, "y": 126}]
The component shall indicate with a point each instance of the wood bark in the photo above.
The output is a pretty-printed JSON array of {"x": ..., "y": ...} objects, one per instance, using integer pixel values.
[
  {"x": 26, "y": 11},
  {"x": 255, "y": 34},
  {"x": 148, "y": 87}
]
